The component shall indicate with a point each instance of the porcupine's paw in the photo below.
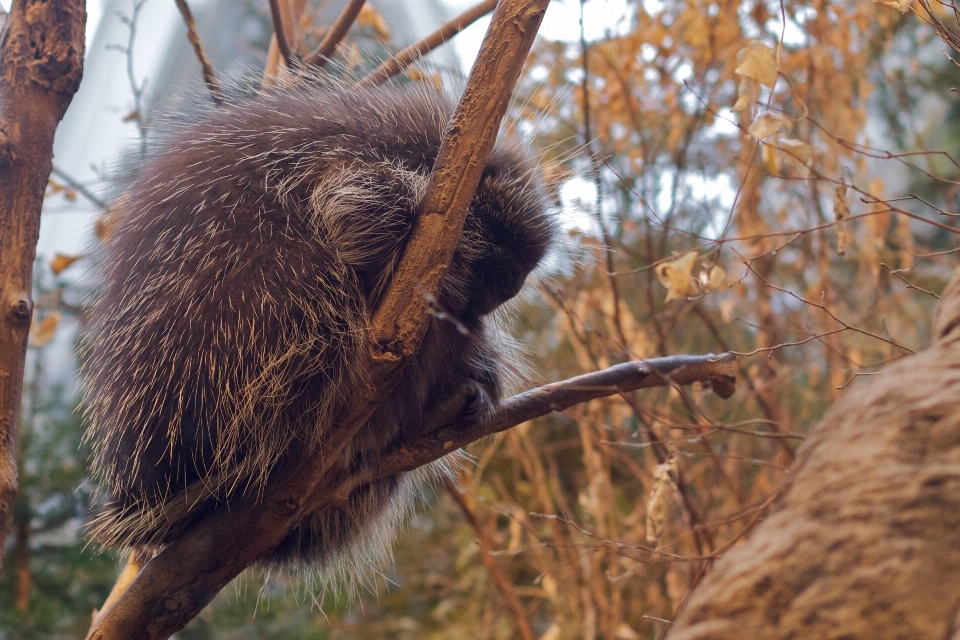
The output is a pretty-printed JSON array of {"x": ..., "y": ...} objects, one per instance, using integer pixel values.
[{"x": 470, "y": 404}]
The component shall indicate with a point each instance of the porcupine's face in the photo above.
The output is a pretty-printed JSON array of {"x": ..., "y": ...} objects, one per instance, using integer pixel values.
[{"x": 457, "y": 373}]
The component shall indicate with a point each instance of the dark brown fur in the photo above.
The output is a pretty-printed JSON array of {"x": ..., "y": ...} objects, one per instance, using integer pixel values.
[{"x": 243, "y": 267}]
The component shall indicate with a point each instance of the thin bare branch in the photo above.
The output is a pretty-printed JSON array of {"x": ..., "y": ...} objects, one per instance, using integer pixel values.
[
  {"x": 336, "y": 34},
  {"x": 280, "y": 27},
  {"x": 79, "y": 188},
  {"x": 504, "y": 585},
  {"x": 209, "y": 77},
  {"x": 719, "y": 370},
  {"x": 414, "y": 52}
]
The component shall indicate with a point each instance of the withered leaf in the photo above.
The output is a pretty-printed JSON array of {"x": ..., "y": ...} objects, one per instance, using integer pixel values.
[
  {"x": 62, "y": 261},
  {"x": 677, "y": 277},
  {"x": 757, "y": 62},
  {"x": 42, "y": 334}
]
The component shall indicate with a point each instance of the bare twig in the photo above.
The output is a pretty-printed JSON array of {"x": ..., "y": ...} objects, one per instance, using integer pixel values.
[
  {"x": 896, "y": 274},
  {"x": 79, "y": 188},
  {"x": 136, "y": 88},
  {"x": 624, "y": 346},
  {"x": 823, "y": 307},
  {"x": 280, "y": 32},
  {"x": 336, "y": 34},
  {"x": 414, "y": 52},
  {"x": 719, "y": 370},
  {"x": 209, "y": 77}
]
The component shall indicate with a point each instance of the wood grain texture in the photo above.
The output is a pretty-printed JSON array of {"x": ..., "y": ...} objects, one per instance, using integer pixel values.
[
  {"x": 41, "y": 62},
  {"x": 863, "y": 540}
]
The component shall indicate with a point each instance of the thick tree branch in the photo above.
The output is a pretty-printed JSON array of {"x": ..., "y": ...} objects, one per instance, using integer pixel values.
[
  {"x": 336, "y": 34},
  {"x": 135, "y": 562},
  {"x": 174, "y": 586},
  {"x": 414, "y": 52},
  {"x": 41, "y": 62},
  {"x": 212, "y": 540},
  {"x": 863, "y": 540}
]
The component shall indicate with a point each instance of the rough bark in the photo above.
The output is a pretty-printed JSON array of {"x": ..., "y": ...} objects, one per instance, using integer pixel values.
[
  {"x": 863, "y": 540},
  {"x": 41, "y": 62}
]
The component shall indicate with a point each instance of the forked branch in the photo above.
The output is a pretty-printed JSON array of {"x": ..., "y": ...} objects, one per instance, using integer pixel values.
[{"x": 161, "y": 588}]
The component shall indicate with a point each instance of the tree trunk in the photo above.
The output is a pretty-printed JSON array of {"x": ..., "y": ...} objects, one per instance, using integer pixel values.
[{"x": 41, "y": 61}]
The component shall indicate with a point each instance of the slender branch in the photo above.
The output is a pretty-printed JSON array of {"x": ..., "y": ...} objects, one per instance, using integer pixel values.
[
  {"x": 624, "y": 346},
  {"x": 414, "y": 52},
  {"x": 209, "y": 77},
  {"x": 38, "y": 77},
  {"x": 136, "y": 88},
  {"x": 291, "y": 12},
  {"x": 79, "y": 188},
  {"x": 175, "y": 585},
  {"x": 719, "y": 370},
  {"x": 336, "y": 34},
  {"x": 398, "y": 324},
  {"x": 280, "y": 32}
]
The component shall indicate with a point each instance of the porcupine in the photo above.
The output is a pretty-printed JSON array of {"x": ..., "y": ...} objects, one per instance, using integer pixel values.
[{"x": 242, "y": 269}]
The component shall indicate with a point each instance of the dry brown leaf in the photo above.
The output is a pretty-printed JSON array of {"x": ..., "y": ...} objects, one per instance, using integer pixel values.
[
  {"x": 712, "y": 278},
  {"x": 757, "y": 62},
  {"x": 56, "y": 187},
  {"x": 61, "y": 261},
  {"x": 768, "y": 124},
  {"x": 549, "y": 585},
  {"x": 900, "y": 5},
  {"x": 370, "y": 17},
  {"x": 677, "y": 277},
  {"x": 101, "y": 228},
  {"x": 797, "y": 154},
  {"x": 42, "y": 334},
  {"x": 726, "y": 309},
  {"x": 661, "y": 497},
  {"x": 771, "y": 159},
  {"x": 748, "y": 92}
]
